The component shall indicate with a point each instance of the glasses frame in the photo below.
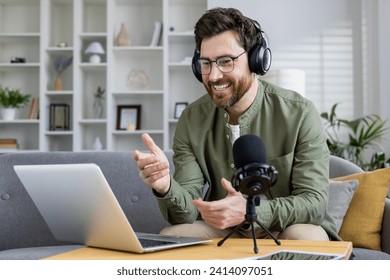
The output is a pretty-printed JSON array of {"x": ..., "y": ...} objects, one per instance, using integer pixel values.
[{"x": 233, "y": 58}]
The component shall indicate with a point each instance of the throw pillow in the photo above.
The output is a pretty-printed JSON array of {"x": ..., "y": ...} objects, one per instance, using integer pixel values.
[
  {"x": 340, "y": 196},
  {"x": 363, "y": 221}
]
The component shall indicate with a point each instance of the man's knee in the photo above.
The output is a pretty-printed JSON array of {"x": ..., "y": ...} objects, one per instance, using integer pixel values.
[
  {"x": 181, "y": 230},
  {"x": 197, "y": 229},
  {"x": 304, "y": 232}
]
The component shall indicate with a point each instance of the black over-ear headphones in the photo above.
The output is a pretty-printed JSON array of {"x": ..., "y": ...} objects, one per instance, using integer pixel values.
[{"x": 259, "y": 56}]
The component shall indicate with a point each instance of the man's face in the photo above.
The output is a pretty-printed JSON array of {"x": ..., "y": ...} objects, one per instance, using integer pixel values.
[{"x": 225, "y": 89}]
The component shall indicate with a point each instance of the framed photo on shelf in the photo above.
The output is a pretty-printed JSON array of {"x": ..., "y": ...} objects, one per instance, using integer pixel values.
[
  {"x": 59, "y": 117},
  {"x": 179, "y": 108},
  {"x": 128, "y": 117}
]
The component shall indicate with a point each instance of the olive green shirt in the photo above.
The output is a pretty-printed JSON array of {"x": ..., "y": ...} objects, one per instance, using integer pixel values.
[{"x": 295, "y": 143}]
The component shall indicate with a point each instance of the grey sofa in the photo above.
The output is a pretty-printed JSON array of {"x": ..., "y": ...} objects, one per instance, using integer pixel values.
[{"x": 24, "y": 235}]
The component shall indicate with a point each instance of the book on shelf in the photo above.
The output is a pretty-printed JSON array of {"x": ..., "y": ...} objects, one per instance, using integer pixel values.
[
  {"x": 156, "y": 34},
  {"x": 8, "y": 140},
  {"x": 34, "y": 109},
  {"x": 8, "y": 144}
]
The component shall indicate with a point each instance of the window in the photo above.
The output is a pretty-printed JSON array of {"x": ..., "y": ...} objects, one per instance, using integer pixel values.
[{"x": 327, "y": 60}]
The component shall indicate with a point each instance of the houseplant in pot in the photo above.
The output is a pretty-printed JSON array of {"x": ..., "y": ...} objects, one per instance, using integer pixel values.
[
  {"x": 10, "y": 100},
  {"x": 358, "y": 140},
  {"x": 98, "y": 103}
]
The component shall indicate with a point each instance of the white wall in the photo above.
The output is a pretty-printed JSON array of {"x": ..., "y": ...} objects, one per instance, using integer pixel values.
[
  {"x": 287, "y": 21},
  {"x": 384, "y": 64}
]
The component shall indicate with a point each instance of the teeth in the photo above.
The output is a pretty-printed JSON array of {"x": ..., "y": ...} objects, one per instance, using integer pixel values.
[{"x": 221, "y": 87}]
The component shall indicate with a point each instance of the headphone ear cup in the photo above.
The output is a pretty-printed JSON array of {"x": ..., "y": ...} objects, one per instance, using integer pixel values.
[
  {"x": 195, "y": 65},
  {"x": 260, "y": 57}
]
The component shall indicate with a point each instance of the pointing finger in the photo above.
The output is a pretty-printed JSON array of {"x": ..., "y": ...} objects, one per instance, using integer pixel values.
[{"x": 149, "y": 143}]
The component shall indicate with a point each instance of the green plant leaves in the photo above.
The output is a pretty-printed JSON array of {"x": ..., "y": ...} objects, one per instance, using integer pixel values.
[
  {"x": 12, "y": 98},
  {"x": 364, "y": 133}
]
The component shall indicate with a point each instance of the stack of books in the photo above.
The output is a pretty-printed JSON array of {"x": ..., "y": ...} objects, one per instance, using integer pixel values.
[{"x": 8, "y": 144}]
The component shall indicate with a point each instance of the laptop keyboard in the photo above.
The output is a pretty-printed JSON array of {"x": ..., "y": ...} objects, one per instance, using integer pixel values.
[{"x": 152, "y": 243}]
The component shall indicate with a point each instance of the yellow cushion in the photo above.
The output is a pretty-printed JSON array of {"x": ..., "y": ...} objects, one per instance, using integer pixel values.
[{"x": 362, "y": 223}]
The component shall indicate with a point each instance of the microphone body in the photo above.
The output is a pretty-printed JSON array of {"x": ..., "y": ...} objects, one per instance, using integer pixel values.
[{"x": 253, "y": 176}]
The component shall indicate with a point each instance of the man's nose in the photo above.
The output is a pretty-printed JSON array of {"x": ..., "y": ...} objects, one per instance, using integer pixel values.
[{"x": 215, "y": 73}]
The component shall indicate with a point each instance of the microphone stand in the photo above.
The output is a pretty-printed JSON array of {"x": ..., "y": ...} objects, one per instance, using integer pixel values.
[{"x": 251, "y": 218}]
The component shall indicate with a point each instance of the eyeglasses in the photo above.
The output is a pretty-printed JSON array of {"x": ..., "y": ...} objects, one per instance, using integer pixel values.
[{"x": 225, "y": 64}]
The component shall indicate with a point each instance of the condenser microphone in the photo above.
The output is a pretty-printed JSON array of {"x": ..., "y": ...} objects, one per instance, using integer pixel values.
[{"x": 253, "y": 175}]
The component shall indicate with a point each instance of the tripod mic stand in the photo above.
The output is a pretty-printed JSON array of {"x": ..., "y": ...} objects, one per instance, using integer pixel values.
[{"x": 250, "y": 218}]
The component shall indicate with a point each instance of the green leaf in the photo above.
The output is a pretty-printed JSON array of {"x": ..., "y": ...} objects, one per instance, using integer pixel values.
[
  {"x": 364, "y": 133},
  {"x": 12, "y": 98}
]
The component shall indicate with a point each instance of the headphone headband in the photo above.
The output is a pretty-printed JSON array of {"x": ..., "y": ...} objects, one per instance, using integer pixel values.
[{"x": 259, "y": 56}]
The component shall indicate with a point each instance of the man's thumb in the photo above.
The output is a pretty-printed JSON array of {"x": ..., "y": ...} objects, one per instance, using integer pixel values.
[{"x": 228, "y": 186}]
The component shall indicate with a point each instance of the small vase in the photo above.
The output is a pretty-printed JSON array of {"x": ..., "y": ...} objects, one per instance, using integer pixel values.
[
  {"x": 58, "y": 83},
  {"x": 123, "y": 38},
  {"x": 97, "y": 145},
  {"x": 98, "y": 108},
  {"x": 8, "y": 114}
]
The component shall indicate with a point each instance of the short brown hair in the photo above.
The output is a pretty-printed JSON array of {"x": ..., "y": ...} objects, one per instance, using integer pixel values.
[{"x": 218, "y": 20}]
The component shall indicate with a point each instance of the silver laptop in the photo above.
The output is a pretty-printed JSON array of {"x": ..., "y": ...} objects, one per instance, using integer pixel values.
[{"x": 79, "y": 206}]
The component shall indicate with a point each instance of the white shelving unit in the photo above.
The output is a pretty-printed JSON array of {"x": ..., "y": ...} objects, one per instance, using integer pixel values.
[
  {"x": 90, "y": 26},
  {"x": 181, "y": 84},
  {"x": 42, "y": 24},
  {"x": 20, "y": 40}
]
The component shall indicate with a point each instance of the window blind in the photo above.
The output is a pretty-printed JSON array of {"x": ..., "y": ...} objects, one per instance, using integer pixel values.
[{"x": 327, "y": 60}]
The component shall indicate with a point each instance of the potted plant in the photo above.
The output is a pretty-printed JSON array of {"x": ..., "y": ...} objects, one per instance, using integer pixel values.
[
  {"x": 10, "y": 100},
  {"x": 362, "y": 139},
  {"x": 98, "y": 106}
]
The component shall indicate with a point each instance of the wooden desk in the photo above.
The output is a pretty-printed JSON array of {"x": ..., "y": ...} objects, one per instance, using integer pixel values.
[{"x": 232, "y": 248}]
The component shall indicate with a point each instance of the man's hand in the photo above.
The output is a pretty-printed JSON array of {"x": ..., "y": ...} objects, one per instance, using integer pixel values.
[
  {"x": 227, "y": 212},
  {"x": 153, "y": 167}
]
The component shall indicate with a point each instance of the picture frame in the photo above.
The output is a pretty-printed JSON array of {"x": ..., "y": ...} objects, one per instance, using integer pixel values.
[
  {"x": 59, "y": 118},
  {"x": 128, "y": 117},
  {"x": 179, "y": 108}
]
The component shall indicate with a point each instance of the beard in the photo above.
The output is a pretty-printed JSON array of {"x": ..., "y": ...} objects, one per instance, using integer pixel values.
[{"x": 236, "y": 90}]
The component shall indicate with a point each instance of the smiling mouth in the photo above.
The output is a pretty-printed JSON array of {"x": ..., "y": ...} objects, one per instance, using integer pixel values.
[{"x": 221, "y": 86}]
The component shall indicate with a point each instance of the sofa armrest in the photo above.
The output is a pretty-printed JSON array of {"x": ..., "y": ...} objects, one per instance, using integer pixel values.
[{"x": 386, "y": 228}]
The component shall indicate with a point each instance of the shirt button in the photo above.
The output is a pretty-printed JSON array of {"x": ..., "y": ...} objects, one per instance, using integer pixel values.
[
  {"x": 232, "y": 165},
  {"x": 227, "y": 136}
]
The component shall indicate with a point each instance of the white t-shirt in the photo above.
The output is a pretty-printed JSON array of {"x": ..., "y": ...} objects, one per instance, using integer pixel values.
[{"x": 235, "y": 131}]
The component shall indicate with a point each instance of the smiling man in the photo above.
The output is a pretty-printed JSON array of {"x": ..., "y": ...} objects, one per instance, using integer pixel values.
[{"x": 230, "y": 56}]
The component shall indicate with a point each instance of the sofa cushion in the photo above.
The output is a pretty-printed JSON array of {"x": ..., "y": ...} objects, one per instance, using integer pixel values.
[
  {"x": 340, "y": 196},
  {"x": 366, "y": 254},
  {"x": 363, "y": 221}
]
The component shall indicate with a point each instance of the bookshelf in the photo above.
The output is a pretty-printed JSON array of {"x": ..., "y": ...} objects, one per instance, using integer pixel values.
[{"x": 152, "y": 72}]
